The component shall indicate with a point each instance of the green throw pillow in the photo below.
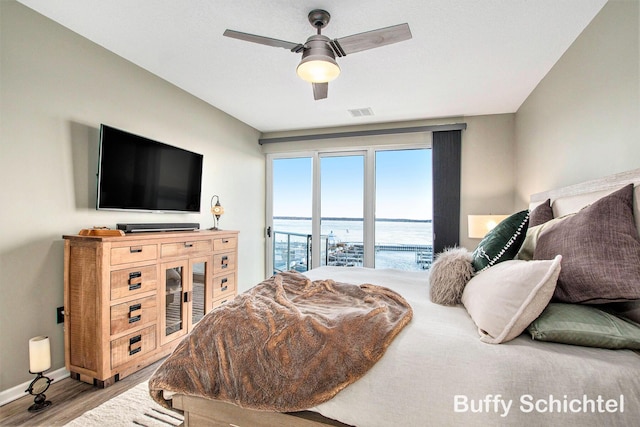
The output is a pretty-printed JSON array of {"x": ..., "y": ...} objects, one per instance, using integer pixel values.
[
  {"x": 584, "y": 325},
  {"x": 503, "y": 242}
]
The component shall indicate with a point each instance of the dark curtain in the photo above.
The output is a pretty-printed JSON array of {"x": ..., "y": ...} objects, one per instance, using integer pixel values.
[{"x": 446, "y": 154}]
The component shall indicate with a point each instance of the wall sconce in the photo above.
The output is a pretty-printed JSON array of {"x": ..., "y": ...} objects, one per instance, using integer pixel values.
[
  {"x": 216, "y": 210},
  {"x": 39, "y": 361},
  {"x": 480, "y": 225}
]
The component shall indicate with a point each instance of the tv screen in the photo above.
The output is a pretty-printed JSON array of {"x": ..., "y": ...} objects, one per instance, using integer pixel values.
[{"x": 140, "y": 174}]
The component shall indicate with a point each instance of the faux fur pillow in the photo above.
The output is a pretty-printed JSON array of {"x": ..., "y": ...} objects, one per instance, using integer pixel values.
[{"x": 449, "y": 274}]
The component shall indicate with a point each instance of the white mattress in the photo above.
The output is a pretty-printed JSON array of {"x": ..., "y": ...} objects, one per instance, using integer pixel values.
[{"x": 437, "y": 367}]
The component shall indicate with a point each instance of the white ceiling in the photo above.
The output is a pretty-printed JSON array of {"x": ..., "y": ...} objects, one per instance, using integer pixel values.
[{"x": 466, "y": 57}]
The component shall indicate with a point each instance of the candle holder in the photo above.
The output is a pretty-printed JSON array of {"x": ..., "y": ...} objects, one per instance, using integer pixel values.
[
  {"x": 39, "y": 361},
  {"x": 37, "y": 388}
]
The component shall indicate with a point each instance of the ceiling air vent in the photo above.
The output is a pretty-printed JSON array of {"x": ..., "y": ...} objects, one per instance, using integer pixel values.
[{"x": 361, "y": 112}]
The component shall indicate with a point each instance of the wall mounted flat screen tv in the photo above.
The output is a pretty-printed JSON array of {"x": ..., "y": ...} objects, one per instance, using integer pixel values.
[{"x": 140, "y": 174}]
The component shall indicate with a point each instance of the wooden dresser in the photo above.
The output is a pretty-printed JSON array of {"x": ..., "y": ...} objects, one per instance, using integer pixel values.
[{"x": 129, "y": 299}]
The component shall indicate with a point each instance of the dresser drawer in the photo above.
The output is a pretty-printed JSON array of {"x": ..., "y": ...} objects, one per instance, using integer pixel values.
[
  {"x": 134, "y": 253},
  {"x": 133, "y": 281},
  {"x": 225, "y": 243},
  {"x": 133, "y": 314},
  {"x": 224, "y": 285},
  {"x": 133, "y": 346},
  {"x": 186, "y": 248},
  {"x": 221, "y": 301},
  {"x": 224, "y": 263}
]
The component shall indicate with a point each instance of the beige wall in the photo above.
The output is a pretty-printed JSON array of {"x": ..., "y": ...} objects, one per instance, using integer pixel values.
[
  {"x": 583, "y": 119},
  {"x": 488, "y": 170},
  {"x": 56, "y": 89}
]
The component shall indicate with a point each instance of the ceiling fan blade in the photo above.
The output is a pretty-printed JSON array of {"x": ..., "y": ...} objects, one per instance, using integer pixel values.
[
  {"x": 371, "y": 39},
  {"x": 320, "y": 90},
  {"x": 293, "y": 47}
]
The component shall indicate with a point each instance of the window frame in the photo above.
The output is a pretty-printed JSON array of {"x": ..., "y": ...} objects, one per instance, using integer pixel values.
[{"x": 369, "y": 192}]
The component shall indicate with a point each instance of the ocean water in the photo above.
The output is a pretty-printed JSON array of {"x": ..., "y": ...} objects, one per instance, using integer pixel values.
[
  {"x": 350, "y": 232},
  {"x": 387, "y": 232}
]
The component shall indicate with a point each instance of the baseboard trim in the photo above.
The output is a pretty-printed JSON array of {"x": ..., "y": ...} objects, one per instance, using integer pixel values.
[{"x": 19, "y": 391}]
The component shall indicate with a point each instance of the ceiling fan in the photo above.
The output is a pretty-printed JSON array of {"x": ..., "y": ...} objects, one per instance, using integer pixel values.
[{"x": 318, "y": 65}]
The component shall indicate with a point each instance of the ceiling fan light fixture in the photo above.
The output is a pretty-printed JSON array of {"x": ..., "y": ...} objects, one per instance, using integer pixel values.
[
  {"x": 318, "y": 64},
  {"x": 318, "y": 69}
]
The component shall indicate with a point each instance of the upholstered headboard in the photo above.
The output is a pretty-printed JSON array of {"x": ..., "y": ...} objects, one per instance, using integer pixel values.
[{"x": 571, "y": 199}]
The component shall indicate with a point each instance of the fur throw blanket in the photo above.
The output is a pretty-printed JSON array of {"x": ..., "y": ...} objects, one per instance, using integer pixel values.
[{"x": 287, "y": 344}]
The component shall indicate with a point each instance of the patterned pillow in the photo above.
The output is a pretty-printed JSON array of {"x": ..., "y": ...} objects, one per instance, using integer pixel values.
[
  {"x": 503, "y": 242},
  {"x": 600, "y": 248},
  {"x": 541, "y": 214}
]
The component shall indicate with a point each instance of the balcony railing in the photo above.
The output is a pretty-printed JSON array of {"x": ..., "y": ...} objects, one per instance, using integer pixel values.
[{"x": 292, "y": 251}]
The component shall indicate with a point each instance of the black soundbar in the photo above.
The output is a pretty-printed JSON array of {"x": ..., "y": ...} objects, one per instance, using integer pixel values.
[{"x": 162, "y": 226}]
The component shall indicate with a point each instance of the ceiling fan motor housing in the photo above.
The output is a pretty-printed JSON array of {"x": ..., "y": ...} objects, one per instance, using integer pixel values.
[{"x": 318, "y": 45}]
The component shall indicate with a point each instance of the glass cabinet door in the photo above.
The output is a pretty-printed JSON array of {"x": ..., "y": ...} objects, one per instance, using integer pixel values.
[
  {"x": 199, "y": 298},
  {"x": 174, "y": 321}
]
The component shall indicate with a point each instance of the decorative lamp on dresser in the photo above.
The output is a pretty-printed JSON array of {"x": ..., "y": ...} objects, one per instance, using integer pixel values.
[{"x": 129, "y": 299}]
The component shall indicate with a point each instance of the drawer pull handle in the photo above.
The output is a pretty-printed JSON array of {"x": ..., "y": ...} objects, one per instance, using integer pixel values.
[
  {"x": 135, "y": 339},
  {"x": 135, "y": 249},
  {"x": 188, "y": 245},
  {"x": 135, "y": 350},
  {"x": 135, "y": 286},
  {"x": 135, "y": 319},
  {"x": 135, "y": 307},
  {"x": 225, "y": 261},
  {"x": 223, "y": 281},
  {"x": 225, "y": 240},
  {"x": 224, "y": 289},
  {"x": 135, "y": 277}
]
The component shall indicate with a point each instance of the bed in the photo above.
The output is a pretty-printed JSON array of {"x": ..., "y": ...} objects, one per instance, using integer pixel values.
[{"x": 438, "y": 370}]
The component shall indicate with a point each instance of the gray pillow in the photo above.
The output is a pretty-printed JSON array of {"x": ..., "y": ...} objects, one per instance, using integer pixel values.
[
  {"x": 541, "y": 214},
  {"x": 584, "y": 325},
  {"x": 600, "y": 250},
  {"x": 627, "y": 309}
]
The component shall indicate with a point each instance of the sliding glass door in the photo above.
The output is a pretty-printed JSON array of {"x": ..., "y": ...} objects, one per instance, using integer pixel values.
[
  {"x": 367, "y": 208},
  {"x": 403, "y": 226},
  {"x": 290, "y": 228},
  {"x": 342, "y": 209}
]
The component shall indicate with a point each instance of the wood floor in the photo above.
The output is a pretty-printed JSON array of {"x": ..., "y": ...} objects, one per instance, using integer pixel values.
[{"x": 70, "y": 399}]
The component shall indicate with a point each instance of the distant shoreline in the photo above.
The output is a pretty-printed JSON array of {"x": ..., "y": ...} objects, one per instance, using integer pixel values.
[{"x": 289, "y": 218}]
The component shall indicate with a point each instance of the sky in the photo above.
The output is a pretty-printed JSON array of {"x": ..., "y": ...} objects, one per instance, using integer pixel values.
[{"x": 403, "y": 185}]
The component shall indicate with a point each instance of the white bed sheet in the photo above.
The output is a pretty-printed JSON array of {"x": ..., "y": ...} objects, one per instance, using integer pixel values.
[{"x": 437, "y": 368}]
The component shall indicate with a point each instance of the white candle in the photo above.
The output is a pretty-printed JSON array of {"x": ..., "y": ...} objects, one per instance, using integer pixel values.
[{"x": 39, "y": 354}]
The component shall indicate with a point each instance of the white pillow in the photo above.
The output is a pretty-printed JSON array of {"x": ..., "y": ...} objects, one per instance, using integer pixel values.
[{"x": 504, "y": 299}]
